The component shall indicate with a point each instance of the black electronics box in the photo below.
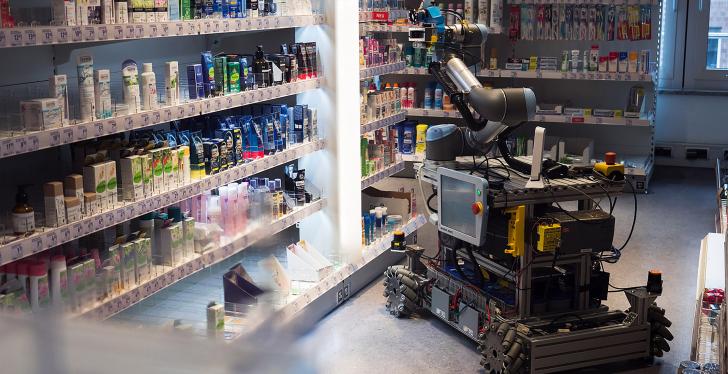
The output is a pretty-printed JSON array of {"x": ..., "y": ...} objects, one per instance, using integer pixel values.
[{"x": 584, "y": 231}]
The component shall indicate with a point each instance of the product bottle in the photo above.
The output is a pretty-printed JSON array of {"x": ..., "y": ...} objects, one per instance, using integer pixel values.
[
  {"x": 403, "y": 96},
  {"x": 449, "y": 17},
  {"x": 23, "y": 214},
  {"x": 493, "y": 59},
  {"x": 428, "y": 98},
  {"x": 39, "y": 290},
  {"x": 243, "y": 205},
  {"x": 411, "y": 95},
  {"x": 102, "y": 90},
  {"x": 438, "y": 97},
  {"x": 149, "y": 88},
  {"x": 214, "y": 213},
  {"x": 85, "y": 70},
  {"x": 59, "y": 280},
  {"x": 261, "y": 68},
  {"x": 130, "y": 78}
]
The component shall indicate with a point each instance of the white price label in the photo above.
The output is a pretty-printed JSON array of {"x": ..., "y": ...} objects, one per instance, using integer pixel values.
[
  {"x": 54, "y": 138},
  {"x": 207, "y": 27},
  {"x": 17, "y": 251},
  {"x": 103, "y": 33},
  {"x": 145, "y": 119},
  {"x": 77, "y": 230},
  {"x": 157, "y": 117},
  {"x": 216, "y": 27},
  {"x": 82, "y": 133},
  {"x": 21, "y": 145},
  {"x": 180, "y": 111},
  {"x": 129, "y": 32},
  {"x": 8, "y": 147},
  {"x": 180, "y": 28},
  {"x": 89, "y": 33},
  {"x": 98, "y": 129},
  {"x": 16, "y": 38},
  {"x": 89, "y": 226},
  {"x": 164, "y": 31},
  {"x": 109, "y": 219},
  {"x": 167, "y": 115},
  {"x": 76, "y": 34},
  {"x": 120, "y": 215},
  {"x": 68, "y": 136},
  {"x": 152, "y": 31},
  {"x": 191, "y": 110},
  {"x": 226, "y": 26},
  {"x": 191, "y": 28},
  {"x": 62, "y": 35},
  {"x": 3, "y": 38},
  {"x": 66, "y": 235},
  {"x": 99, "y": 222},
  {"x": 139, "y": 31},
  {"x": 47, "y": 36},
  {"x": 118, "y": 32},
  {"x": 131, "y": 211},
  {"x": 51, "y": 240}
]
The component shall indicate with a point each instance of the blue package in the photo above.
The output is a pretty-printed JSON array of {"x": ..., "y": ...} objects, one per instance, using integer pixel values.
[
  {"x": 194, "y": 82},
  {"x": 208, "y": 74}
]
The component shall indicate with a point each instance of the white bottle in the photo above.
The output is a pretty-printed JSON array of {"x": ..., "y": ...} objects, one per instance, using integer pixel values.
[
  {"x": 171, "y": 82},
  {"x": 403, "y": 96},
  {"x": 102, "y": 91},
  {"x": 149, "y": 88},
  {"x": 411, "y": 97},
  {"x": 214, "y": 214},
  {"x": 243, "y": 205},
  {"x": 59, "y": 90},
  {"x": 85, "y": 69},
  {"x": 59, "y": 280},
  {"x": 130, "y": 79},
  {"x": 39, "y": 289}
]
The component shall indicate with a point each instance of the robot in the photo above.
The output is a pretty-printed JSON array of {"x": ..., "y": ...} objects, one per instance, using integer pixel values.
[{"x": 515, "y": 271}]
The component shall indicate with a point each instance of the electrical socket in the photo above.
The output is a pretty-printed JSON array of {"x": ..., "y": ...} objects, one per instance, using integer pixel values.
[
  {"x": 663, "y": 152},
  {"x": 343, "y": 291},
  {"x": 696, "y": 153}
]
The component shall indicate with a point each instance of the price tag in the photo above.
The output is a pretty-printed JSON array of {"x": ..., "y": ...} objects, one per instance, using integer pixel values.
[
  {"x": 207, "y": 105},
  {"x": 145, "y": 119},
  {"x": 266, "y": 22},
  {"x": 16, "y": 38},
  {"x": 628, "y": 122},
  {"x": 180, "y": 28},
  {"x": 8, "y": 147},
  {"x": 77, "y": 230},
  {"x": 47, "y": 36},
  {"x": 99, "y": 222},
  {"x": 167, "y": 115},
  {"x": 131, "y": 211},
  {"x": 216, "y": 27},
  {"x": 118, "y": 32},
  {"x": 157, "y": 117},
  {"x": 82, "y": 133},
  {"x": 89, "y": 226},
  {"x": 54, "y": 138},
  {"x": 191, "y": 110},
  {"x": 218, "y": 105},
  {"x": 68, "y": 135},
  {"x": 17, "y": 251},
  {"x": 129, "y": 32},
  {"x": 120, "y": 215},
  {"x": 164, "y": 31},
  {"x": 598, "y": 120},
  {"x": 206, "y": 27},
  {"x": 152, "y": 31},
  {"x": 76, "y": 34},
  {"x": 139, "y": 31},
  {"x": 103, "y": 33},
  {"x": 226, "y": 26},
  {"x": 89, "y": 33},
  {"x": 36, "y": 244},
  {"x": 3, "y": 38},
  {"x": 191, "y": 28},
  {"x": 228, "y": 102},
  {"x": 51, "y": 239},
  {"x": 21, "y": 145},
  {"x": 109, "y": 219},
  {"x": 66, "y": 235},
  {"x": 180, "y": 111},
  {"x": 98, "y": 129}
]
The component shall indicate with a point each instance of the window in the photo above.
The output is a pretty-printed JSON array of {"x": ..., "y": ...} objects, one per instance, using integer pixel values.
[{"x": 706, "y": 45}]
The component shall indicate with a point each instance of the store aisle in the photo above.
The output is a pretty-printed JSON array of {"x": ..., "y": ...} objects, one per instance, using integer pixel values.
[{"x": 361, "y": 337}]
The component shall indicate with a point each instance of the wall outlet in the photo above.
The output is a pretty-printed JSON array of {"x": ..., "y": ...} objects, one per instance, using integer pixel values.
[
  {"x": 663, "y": 152},
  {"x": 696, "y": 153}
]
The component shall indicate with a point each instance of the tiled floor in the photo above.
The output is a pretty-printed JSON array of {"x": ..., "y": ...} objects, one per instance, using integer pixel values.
[{"x": 361, "y": 337}]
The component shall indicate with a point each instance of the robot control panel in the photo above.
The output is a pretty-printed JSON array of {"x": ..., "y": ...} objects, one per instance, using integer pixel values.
[{"x": 463, "y": 206}]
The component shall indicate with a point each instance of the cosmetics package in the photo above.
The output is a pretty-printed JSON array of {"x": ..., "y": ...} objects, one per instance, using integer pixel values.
[
  {"x": 132, "y": 184},
  {"x": 102, "y": 92},
  {"x": 73, "y": 209},
  {"x": 195, "y": 84},
  {"x": 41, "y": 114},
  {"x": 59, "y": 90},
  {"x": 128, "y": 265},
  {"x": 171, "y": 82},
  {"x": 73, "y": 187},
  {"x": 94, "y": 180},
  {"x": 64, "y": 12},
  {"x": 143, "y": 259},
  {"x": 86, "y": 95},
  {"x": 208, "y": 74},
  {"x": 149, "y": 88},
  {"x": 91, "y": 204},
  {"x": 221, "y": 75},
  {"x": 111, "y": 185},
  {"x": 107, "y": 12},
  {"x": 622, "y": 65},
  {"x": 55, "y": 209},
  {"x": 121, "y": 12}
]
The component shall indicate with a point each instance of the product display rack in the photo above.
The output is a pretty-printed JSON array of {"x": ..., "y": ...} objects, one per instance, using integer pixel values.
[
  {"x": 20, "y": 142},
  {"x": 166, "y": 276},
  {"x": 385, "y": 173},
  {"x": 706, "y": 339},
  {"x": 367, "y": 27},
  {"x": 384, "y": 122},
  {"x": 373, "y": 71},
  {"x": 56, "y": 35},
  {"x": 125, "y": 211},
  {"x": 548, "y": 74}
]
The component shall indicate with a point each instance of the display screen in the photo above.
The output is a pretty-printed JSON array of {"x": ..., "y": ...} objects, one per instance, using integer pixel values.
[{"x": 456, "y": 199}]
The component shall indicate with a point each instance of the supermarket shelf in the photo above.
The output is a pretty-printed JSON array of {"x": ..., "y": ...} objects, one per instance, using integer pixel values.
[
  {"x": 321, "y": 299},
  {"x": 384, "y": 122},
  {"x": 53, "y": 237},
  {"x": 57, "y": 35},
  {"x": 591, "y": 120},
  {"x": 418, "y": 112},
  {"x": 386, "y": 173},
  {"x": 366, "y": 73},
  {"x": 547, "y": 74},
  {"x": 415, "y": 71},
  {"x": 382, "y": 15},
  {"x": 373, "y": 27},
  {"x": 587, "y": 2},
  {"x": 27, "y": 142},
  {"x": 170, "y": 275},
  {"x": 413, "y": 158}
]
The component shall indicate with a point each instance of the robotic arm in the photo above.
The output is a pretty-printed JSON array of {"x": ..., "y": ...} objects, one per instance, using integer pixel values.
[{"x": 488, "y": 113}]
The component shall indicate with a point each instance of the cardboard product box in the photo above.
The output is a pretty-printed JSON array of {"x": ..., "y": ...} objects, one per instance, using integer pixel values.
[
  {"x": 143, "y": 260},
  {"x": 55, "y": 209},
  {"x": 73, "y": 187},
  {"x": 41, "y": 114},
  {"x": 170, "y": 244},
  {"x": 114, "y": 258},
  {"x": 112, "y": 188},
  {"x": 188, "y": 232},
  {"x": 76, "y": 285},
  {"x": 128, "y": 265},
  {"x": 157, "y": 156},
  {"x": 132, "y": 180},
  {"x": 94, "y": 180},
  {"x": 147, "y": 175},
  {"x": 73, "y": 209},
  {"x": 89, "y": 279}
]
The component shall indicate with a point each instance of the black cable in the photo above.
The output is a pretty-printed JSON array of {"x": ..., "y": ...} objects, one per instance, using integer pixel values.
[
  {"x": 634, "y": 216},
  {"x": 476, "y": 267},
  {"x": 620, "y": 289},
  {"x": 430, "y": 199}
]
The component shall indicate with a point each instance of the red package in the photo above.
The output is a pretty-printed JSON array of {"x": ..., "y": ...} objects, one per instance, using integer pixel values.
[{"x": 514, "y": 20}]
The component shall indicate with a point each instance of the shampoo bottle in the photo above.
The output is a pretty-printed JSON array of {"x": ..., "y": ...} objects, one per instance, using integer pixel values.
[
  {"x": 102, "y": 89},
  {"x": 149, "y": 88},
  {"x": 438, "y": 97},
  {"x": 411, "y": 96},
  {"x": 86, "y": 87}
]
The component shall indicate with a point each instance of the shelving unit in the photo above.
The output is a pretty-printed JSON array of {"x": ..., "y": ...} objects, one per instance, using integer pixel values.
[
  {"x": 57, "y": 35},
  {"x": 384, "y": 122},
  {"x": 123, "y": 211},
  {"x": 385, "y": 173},
  {"x": 373, "y": 71},
  {"x": 166, "y": 276},
  {"x": 549, "y": 74},
  {"x": 20, "y": 142},
  {"x": 706, "y": 336}
]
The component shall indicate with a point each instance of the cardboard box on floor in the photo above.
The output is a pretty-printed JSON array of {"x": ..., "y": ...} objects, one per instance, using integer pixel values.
[{"x": 397, "y": 203}]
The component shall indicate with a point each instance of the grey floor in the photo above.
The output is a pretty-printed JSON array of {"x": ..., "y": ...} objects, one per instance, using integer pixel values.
[{"x": 361, "y": 337}]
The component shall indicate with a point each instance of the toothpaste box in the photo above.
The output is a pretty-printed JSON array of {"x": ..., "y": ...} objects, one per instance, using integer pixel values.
[
  {"x": 94, "y": 180},
  {"x": 157, "y": 156},
  {"x": 147, "y": 175},
  {"x": 132, "y": 181},
  {"x": 112, "y": 188},
  {"x": 128, "y": 265},
  {"x": 143, "y": 259},
  {"x": 41, "y": 114}
]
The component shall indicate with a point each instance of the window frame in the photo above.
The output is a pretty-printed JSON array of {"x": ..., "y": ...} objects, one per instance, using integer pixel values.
[{"x": 696, "y": 75}]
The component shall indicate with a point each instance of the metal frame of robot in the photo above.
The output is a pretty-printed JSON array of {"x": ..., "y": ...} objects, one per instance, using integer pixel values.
[{"x": 629, "y": 338}]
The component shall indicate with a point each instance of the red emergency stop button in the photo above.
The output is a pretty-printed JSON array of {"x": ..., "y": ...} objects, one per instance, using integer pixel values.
[{"x": 477, "y": 208}]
